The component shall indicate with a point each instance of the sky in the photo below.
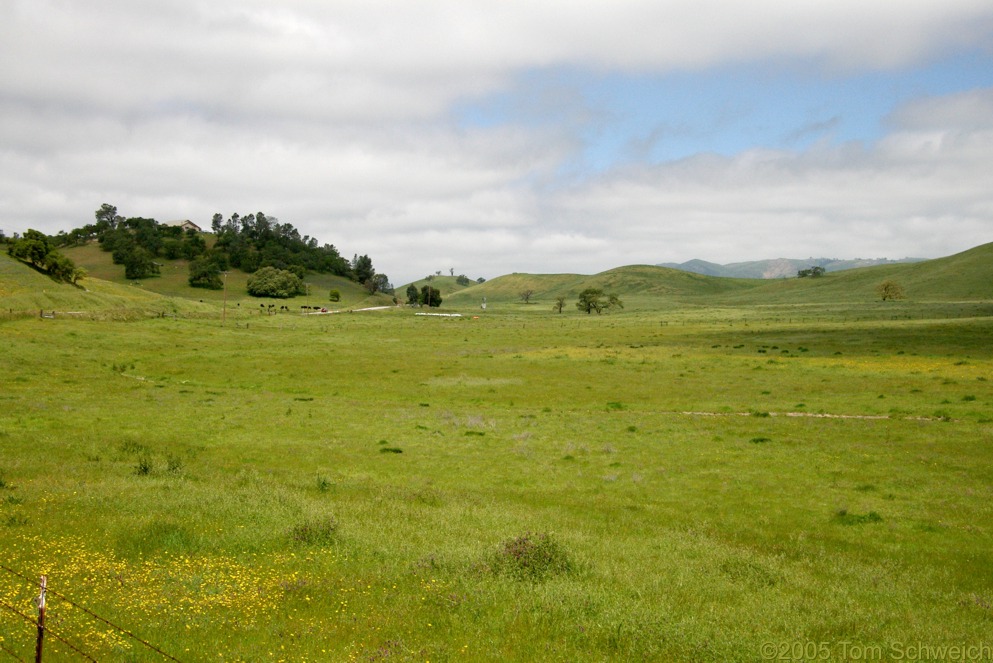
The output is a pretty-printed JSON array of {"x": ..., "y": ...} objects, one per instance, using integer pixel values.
[{"x": 498, "y": 136}]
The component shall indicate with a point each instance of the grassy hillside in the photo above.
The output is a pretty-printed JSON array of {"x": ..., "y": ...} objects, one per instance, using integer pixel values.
[
  {"x": 446, "y": 285},
  {"x": 24, "y": 289},
  {"x": 638, "y": 286},
  {"x": 172, "y": 282},
  {"x": 506, "y": 289},
  {"x": 966, "y": 276}
]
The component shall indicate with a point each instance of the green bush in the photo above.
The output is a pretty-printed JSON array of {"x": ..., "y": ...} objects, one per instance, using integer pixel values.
[
  {"x": 272, "y": 282},
  {"x": 206, "y": 273}
]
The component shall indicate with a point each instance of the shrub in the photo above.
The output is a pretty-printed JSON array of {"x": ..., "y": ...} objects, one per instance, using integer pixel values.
[
  {"x": 532, "y": 556},
  {"x": 205, "y": 273},
  {"x": 144, "y": 466},
  {"x": 315, "y": 532},
  {"x": 843, "y": 517},
  {"x": 272, "y": 282}
]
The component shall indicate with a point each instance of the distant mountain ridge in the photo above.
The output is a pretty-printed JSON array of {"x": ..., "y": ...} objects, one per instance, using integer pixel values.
[{"x": 779, "y": 268}]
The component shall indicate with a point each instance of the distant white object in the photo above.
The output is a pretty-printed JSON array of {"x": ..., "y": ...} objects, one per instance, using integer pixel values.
[{"x": 442, "y": 315}]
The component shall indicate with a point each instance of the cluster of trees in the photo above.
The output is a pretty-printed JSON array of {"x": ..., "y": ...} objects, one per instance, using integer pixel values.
[
  {"x": 813, "y": 272},
  {"x": 426, "y": 296},
  {"x": 255, "y": 241},
  {"x": 249, "y": 243},
  {"x": 594, "y": 299},
  {"x": 135, "y": 242},
  {"x": 590, "y": 299},
  {"x": 40, "y": 251}
]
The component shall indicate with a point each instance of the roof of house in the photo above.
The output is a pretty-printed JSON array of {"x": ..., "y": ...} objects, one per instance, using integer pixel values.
[{"x": 183, "y": 222}]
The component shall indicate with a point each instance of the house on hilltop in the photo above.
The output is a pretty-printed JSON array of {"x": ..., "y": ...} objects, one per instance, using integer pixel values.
[{"x": 185, "y": 224}]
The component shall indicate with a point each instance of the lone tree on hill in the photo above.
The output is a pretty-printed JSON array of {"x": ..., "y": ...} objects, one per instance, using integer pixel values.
[
  {"x": 559, "y": 304},
  {"x": 525, "y": 295},
  {"x": 890, "y": 290}
]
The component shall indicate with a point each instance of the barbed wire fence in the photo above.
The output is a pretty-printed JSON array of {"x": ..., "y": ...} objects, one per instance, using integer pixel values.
[{"x": 46, "y": 630}]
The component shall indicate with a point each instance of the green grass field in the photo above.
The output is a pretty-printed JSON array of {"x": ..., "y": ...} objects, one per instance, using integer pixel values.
[{"x": 703, "y": 478}]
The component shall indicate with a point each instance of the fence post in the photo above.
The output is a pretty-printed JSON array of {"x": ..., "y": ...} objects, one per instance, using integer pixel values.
[{"x": 41, "y": 620}]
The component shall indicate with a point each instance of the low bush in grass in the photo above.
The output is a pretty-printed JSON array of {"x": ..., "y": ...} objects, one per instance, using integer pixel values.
[
  {"x": 843, "y": 517},
  {"x": 531, "y": 556},
  {"x": 319, "y": 531}
]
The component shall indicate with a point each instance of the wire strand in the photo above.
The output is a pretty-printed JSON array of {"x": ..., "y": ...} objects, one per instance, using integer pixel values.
[
  {"x": 91, "y": 613},
  {"x": 49, "y": 631},
  {"x": 11, "y": 653}
]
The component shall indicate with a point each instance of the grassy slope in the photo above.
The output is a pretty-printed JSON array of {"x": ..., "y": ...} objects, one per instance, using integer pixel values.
[
  {"x": 172, "y": 282},
  {"x": 24, "y": 289},
  {"x": 446, "y": 285},
  {"x": 964, "y": 276},
  {"x": 641, "y": 285}
]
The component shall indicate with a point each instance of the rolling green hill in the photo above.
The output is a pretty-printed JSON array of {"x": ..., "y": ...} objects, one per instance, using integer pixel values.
[
  {"x": 446, "y": 285},
  {"x": 641, "y": 286},
  {"x": 966, "y": 276},
  {"x": 963, "y": 277}
]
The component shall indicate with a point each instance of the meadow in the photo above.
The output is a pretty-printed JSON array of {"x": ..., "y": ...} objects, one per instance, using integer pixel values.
[
  {"x": 724, "y": 470},
  {"x": 513, "y": 484}
]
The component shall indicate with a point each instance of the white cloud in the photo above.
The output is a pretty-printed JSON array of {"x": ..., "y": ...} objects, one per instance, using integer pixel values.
[{"x": 337, "y": 117}]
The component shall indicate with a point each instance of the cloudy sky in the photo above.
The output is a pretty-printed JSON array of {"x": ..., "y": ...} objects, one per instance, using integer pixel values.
[{"x": 493, "y": 136}]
